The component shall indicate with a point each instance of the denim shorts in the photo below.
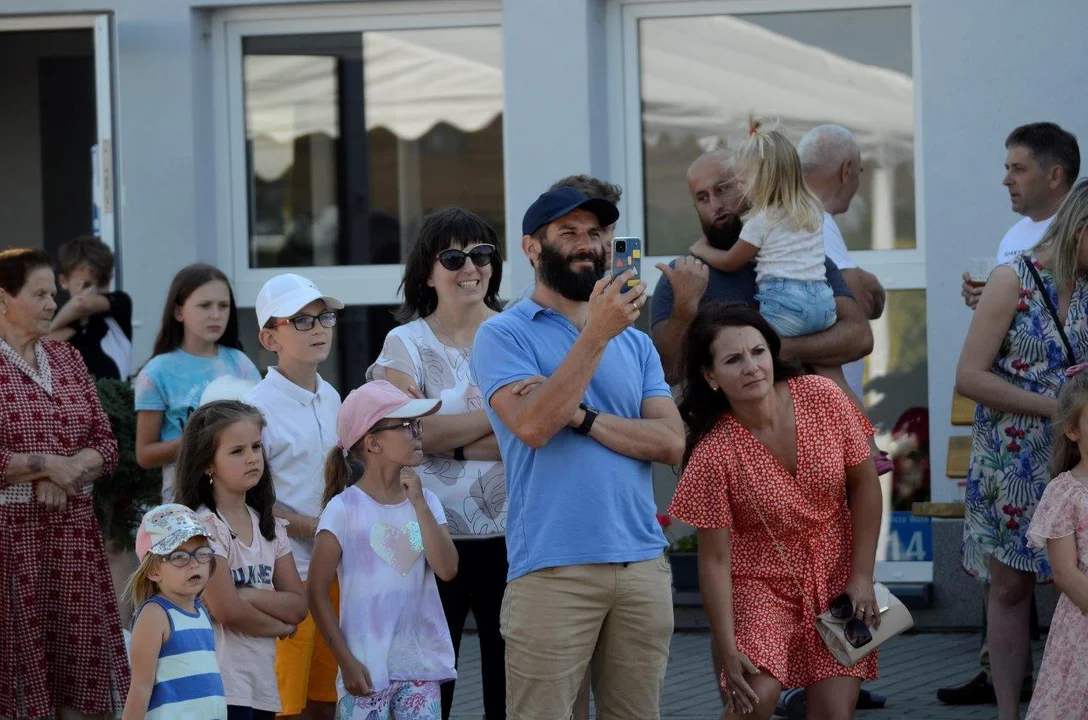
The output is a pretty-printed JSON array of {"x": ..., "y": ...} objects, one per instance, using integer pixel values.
[{"x": 796, "y": 307}]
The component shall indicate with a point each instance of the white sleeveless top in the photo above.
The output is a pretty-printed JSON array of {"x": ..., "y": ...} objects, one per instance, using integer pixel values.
[{"x": 473, "y": 492}]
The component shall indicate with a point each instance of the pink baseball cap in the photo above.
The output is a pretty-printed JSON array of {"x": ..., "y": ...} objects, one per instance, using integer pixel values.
[
  {"x": 374, "y": 401},
  {"x": 165, "y": 528}
]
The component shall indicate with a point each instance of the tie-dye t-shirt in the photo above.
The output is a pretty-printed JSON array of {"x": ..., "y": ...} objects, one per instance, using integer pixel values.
[
  {"x": 390, "y": 612},
  {"x": 172, "y": 384}
]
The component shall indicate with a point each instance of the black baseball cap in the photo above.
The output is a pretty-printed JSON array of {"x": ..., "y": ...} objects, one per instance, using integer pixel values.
[{"x": 554, "y": 204}]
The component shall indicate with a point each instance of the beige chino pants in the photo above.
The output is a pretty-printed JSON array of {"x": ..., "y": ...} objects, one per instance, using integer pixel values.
[{"x": 558, "y": 620}]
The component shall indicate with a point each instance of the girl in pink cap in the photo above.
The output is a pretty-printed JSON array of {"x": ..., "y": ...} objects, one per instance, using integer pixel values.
[{"x": 386, "y": 538}]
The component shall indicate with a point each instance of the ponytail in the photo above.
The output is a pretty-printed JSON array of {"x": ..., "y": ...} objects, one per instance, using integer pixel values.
[{"x": 337, "y": 474}]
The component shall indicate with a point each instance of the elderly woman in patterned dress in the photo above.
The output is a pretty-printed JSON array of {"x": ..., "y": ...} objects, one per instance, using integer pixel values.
[
  {"x": 451, "y": 286},
  {"x": 1029, "y": 326},
  {"x": 62, "y": 653},
  {"x": 771, "y": 457}
]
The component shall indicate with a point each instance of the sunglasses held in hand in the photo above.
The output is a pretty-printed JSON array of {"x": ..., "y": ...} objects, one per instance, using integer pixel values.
[{"x": 854, "y": 630}]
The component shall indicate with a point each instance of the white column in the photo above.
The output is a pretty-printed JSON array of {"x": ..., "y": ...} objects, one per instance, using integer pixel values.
[
  {"x": 554, "y": 96},
  {"x": 883, "y": 238}
]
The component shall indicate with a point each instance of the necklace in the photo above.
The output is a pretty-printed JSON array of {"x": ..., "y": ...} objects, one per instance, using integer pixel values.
[{"x": 465, "y": 353}]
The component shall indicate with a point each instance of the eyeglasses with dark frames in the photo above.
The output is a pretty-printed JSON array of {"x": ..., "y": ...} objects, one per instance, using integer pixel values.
[
  {"x": 453, "y": 259},
  {"x": 304, "y": 323},
  {"x": 182, "y": 558},
  {"x": 415, "y": 425}
]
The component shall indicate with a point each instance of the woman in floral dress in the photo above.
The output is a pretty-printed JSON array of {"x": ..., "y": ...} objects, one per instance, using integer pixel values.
[
  {"x": 62, "y": 653},
  {"x": 1013, "y": 364},
  {"x": 770, "y": 458}
]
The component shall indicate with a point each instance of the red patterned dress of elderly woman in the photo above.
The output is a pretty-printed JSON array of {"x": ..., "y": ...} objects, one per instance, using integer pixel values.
[{"x": 62, "y": 650}]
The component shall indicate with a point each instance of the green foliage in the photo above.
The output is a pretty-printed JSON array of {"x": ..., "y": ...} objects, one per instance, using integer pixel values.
[
  {"x": 687, "y": 544},
  {"x": 121, "y": 499}
]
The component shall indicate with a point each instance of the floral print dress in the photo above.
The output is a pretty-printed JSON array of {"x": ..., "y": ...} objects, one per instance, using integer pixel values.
[
  {"x": 1062, "y": 690},
  {"x": 1010, "y": 452}
]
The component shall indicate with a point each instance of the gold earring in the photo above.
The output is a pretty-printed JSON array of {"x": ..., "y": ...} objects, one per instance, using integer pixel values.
[{"x": 211, "y": 479}]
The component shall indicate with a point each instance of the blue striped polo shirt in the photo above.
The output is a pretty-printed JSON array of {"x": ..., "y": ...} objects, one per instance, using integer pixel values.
[{"x": 187, "y": 680}]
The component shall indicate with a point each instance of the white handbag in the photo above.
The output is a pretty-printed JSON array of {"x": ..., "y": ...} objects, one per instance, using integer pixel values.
[{"x": 894, "y": 620}]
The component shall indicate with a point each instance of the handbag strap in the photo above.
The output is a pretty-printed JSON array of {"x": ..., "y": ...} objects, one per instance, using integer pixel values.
[
  {"x": 1050, "y": 306},
  {"x": 774, "y": 540}
]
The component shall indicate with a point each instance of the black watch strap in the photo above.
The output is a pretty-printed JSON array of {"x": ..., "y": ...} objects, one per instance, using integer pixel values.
[
  {"x": 587, "y": 422},
  {"x": 459, "y": 454}
]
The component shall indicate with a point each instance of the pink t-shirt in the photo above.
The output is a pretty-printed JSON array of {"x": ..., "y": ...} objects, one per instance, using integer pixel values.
[
  {"x": 390, "y": 612},
  {"x": 247, "y": 663}
]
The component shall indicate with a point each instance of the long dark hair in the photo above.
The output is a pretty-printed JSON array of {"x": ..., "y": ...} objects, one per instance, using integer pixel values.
[
  {"x": 188, "y": 279},
  {"x": 439, "y": 231},
  {"x": 700, "y": 407},
  {"x": 199, "y": 442}
]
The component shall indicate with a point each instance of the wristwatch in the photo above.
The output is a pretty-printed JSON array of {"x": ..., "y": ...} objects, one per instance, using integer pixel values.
[{"x": 587, "y": 422}]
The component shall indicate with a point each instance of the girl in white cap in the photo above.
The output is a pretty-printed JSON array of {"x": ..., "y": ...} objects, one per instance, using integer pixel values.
[
  {"x": 174, "y": 671},
  {"x": 386, "y": 539}
]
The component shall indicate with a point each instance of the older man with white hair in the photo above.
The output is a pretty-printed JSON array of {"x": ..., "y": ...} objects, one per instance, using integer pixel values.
[{"x": 831, "y": 162}]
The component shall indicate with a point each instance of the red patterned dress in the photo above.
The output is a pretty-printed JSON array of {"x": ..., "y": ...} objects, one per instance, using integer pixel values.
[
  {"x": 809, "y": 519},
  {"x": 61, "y": 643}
]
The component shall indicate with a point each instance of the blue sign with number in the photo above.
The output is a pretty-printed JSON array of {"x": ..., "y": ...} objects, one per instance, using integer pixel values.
[{"x": 910, "y": 538}]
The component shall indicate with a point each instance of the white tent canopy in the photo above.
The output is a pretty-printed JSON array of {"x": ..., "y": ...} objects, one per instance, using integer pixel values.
[{"x": 699, "y": 78}]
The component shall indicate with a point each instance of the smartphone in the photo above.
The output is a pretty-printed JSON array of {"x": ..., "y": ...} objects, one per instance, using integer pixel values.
[{"x": 627, "y": 255}]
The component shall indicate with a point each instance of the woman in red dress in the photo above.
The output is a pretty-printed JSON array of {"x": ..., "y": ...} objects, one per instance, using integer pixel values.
[
  {"x": 771, "y": 456},
  {"x": 62, "y": 652}
]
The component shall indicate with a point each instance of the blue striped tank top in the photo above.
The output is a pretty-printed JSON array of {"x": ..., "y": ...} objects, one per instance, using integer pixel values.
[{"x": 187, "y": 680}]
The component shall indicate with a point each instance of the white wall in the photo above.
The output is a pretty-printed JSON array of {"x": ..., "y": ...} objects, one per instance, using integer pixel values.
[{"x": 986, "y": 67}]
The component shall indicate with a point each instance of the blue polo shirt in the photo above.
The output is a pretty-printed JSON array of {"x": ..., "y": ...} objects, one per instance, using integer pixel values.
[{"x": 573, "y": 501}]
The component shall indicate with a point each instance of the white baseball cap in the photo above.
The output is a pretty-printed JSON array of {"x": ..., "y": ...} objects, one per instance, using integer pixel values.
[{"x": 286, "y": 294}]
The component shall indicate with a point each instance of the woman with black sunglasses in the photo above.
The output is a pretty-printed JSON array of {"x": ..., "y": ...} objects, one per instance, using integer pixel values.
[
  {"x": 451, "y": 285},
  {"x": 771, "y": 457}
]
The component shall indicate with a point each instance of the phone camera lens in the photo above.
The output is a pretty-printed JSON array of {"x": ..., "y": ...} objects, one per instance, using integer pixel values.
[{"x": 621, "y": 246}]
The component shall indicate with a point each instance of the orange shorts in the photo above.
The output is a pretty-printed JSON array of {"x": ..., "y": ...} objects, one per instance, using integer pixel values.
[{"x": 305, "y": 667}]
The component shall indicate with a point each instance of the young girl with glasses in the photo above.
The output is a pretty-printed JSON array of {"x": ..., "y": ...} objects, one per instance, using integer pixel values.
[
  {"x": 174, "y": 671},
  {"x": 385, "y": 537},
  {"x": 451, "y": 279},
  {"x": 254, "y": 592}
]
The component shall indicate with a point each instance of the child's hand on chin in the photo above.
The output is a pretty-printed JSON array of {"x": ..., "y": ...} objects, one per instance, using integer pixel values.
[
  {"x": 356, "y": 678},
  {"x": 412, "y": 485}
]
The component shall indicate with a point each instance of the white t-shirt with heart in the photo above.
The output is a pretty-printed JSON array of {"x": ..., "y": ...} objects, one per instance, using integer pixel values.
[{"x": 390, "y": 612}]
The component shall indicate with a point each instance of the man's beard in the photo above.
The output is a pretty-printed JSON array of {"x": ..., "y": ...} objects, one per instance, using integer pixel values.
[
  {"x": 725, "y": 236},
  {"x": 555, "y": 272}
]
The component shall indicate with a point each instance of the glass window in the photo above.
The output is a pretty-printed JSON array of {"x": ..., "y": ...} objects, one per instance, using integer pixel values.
[
  {"x": 897, "y": 393},
  {"x": 351, "y": 138},
  {"x": 701, "y": 76}
]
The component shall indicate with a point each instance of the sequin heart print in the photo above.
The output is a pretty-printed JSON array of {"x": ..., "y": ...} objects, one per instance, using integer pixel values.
[{"x": 398, "y": 546}]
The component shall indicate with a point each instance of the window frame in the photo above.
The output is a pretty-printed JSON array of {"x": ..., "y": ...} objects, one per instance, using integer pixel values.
[
  {"x": 896, "y": 269},
  {"x": 354, "y": 284}
]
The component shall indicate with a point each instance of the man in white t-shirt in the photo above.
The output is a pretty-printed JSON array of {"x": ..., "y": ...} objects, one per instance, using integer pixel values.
[
  {"x": 1042, "y": 163},
  {"x": 831, "y": 162}
]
